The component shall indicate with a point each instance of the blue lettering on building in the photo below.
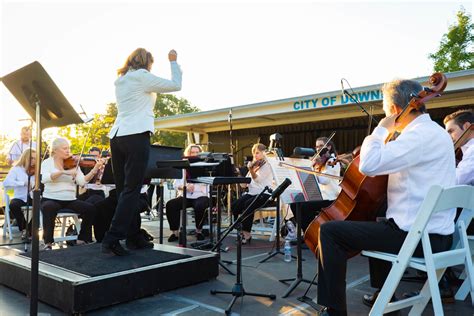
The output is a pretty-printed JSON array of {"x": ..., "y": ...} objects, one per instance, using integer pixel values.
[{"x": 364, "y": 96}]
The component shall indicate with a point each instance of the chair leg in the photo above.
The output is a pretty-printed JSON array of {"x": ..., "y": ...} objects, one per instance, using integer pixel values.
[
  {"x": 63, "y": 226},
  {"x": 388, "y": 289},
  {"x": 77, "y": 222},
  {"x": 429, "y": 291}
]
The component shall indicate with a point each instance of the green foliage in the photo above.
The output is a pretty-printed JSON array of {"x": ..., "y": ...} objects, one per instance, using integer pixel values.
[
  {"x": 166, "y": 105},
  {"x": 456, "y": 47},
  {"x": 169, "y": 105},
  {"x": 99, "y": 129}
]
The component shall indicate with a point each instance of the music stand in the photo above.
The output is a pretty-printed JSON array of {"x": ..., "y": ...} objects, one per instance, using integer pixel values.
[
  {"x": 177, "y": 166},
  {"x": 44, "y": 102},
  {"x": 162, "y": 154}
]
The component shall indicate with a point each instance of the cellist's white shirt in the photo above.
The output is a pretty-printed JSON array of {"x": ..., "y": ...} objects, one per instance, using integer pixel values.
[{"x": 420, "y": 157}]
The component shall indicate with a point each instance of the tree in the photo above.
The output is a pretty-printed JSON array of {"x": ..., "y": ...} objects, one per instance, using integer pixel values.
[
  {"x": 169, "y": 105},
  {"x": 456, "y": 47},
  {"x": 99, "y": 130}
]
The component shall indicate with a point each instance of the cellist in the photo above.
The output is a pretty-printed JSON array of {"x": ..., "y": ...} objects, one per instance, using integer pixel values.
[{"x": 421, "y": 156}]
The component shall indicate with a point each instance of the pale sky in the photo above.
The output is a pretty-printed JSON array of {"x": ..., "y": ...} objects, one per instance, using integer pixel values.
[{"x": 231, "y": 53}]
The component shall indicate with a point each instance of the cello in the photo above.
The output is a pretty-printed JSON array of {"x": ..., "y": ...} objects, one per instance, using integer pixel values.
[{"x": 361, "y": 196}]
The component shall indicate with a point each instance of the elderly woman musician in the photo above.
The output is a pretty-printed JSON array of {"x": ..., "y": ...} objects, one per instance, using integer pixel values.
[
  {"x": 60, "y": 192},
  {"x": 261, "y": 174},
  {"x": 196, "y": 196},
  {"x": 18, "y": 178}
]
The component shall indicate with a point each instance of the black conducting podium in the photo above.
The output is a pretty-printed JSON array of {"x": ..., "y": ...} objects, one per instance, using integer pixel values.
[{"x": 44, "y": 102}]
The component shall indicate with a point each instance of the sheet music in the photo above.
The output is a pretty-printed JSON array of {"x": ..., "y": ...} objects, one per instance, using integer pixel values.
[{"x": 304, "y": 187}]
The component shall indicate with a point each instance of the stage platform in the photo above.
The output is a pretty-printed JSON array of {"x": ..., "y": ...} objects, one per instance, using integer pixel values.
[{"x": 80, "y": 279}]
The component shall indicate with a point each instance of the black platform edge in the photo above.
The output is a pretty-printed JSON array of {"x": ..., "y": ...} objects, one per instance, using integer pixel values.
[{"x": 97, "y": 292}]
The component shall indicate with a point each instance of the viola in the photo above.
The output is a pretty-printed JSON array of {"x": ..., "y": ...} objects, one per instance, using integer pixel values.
[
  {"x": 86, "y": 161},
  {"x": 362, "y": 196}
]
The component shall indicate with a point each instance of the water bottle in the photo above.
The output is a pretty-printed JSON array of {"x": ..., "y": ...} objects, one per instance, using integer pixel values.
[
  {"x": 287, "y": 251},
  {"x": 291, "y": 230}
]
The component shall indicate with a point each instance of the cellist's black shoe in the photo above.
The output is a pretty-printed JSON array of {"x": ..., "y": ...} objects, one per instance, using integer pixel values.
[{"x": 369, "y": 300}]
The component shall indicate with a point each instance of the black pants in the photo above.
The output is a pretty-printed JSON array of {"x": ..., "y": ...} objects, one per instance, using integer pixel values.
[
  {"x": 129, "y": 162},
  {"x": 309, "y": 210},
  {"x": 50, "y": 208},
  {"x": 15, "y": 209},
  {"x": 239, "y": 206},
  {"x": 91, "y": 193},
  {"x": 174, "y": 207},
  {"x": 339, "y": 238},
  {"x": 106, "y": 210}
]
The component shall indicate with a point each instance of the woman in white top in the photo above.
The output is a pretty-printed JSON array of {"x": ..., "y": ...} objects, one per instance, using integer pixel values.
[
  {"x": 196, "y": 197},
  {"x": 135, "y": 90},
  {"x": 18, "y": 178},
  {"x": 261, "y": 174},
  {"x": 60, "y": 192}
]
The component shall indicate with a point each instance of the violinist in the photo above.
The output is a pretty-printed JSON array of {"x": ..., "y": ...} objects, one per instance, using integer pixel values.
[
  {"x": 457, "y": 124},
  {"x": 421, "y": 156},
  {"x": 95, "y": 191},
  {"x": 60, "y": 192},
  {"x": 18, "y": 178},
  {"x": 326, "y": 162},
  {"x": 261, "y": 174}
]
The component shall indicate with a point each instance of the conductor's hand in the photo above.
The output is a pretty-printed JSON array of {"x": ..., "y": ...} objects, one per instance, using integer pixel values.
[{"x": 172, "y": 55}]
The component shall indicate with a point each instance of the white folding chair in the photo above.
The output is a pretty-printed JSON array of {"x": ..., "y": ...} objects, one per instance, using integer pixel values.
[
  {"x": 437, "y": 199},
  {"x": 7, "y": 226},
  {"x": 63, "y": 215}
]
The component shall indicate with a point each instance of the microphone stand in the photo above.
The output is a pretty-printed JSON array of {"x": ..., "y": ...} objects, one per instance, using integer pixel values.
[
  {"x": 238, "y": 288},
  {"x": 347, "y": 93}
]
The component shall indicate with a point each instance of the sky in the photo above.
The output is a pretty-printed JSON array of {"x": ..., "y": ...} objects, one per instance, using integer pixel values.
[{"x": 231, "y": 53}]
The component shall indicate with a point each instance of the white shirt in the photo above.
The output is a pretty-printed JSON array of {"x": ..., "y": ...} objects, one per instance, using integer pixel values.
[
  {"x": 330, "y": 188},
  {"x": 264, "y": 179},
  {"x": 136, "y": 95},
  {"x": 18, "y": 148},
  {"x": 200, "y": 189},
  {"x": 17, "y": 178},
  {"x": 420, "y": 157},
  {"x": 64, "y": 187},
  {"x": 465, "y": 168}
]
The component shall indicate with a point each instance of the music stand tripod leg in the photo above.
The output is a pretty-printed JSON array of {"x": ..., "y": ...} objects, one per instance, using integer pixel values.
[
  {"x": 238, "y": 288},
  {"x": 277, "y": 238},
  {"x": 299, "y": 274},
  {"x": 161, "y": 209},
  {"x": 182, "y": 232}
]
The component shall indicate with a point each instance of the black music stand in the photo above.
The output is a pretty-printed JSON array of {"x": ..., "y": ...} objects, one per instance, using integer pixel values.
[
  {"x": 238, "y": 288},
  {"x": 44, "y": 102},
  {"x": 162, "y": 154},
  {"x": 306, "y": 180}
]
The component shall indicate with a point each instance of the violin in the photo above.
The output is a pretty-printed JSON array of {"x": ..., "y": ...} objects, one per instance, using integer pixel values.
[
  {"x": 31, "y": 170},
  {"x": 100, "y": 173},
  {"x": 86, "y": 161},
  {"x": 361, "y": 196},
  {"x": 461, "y": 141},
  {"x": 257, "y": 163},
  {"x": 323, "y": 160}
]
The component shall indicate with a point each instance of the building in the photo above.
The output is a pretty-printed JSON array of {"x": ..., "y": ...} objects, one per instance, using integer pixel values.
[{"x": 300, "y": 120}]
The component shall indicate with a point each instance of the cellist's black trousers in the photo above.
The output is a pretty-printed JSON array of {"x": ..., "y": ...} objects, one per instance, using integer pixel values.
[{"x": 339, "y": 238}]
